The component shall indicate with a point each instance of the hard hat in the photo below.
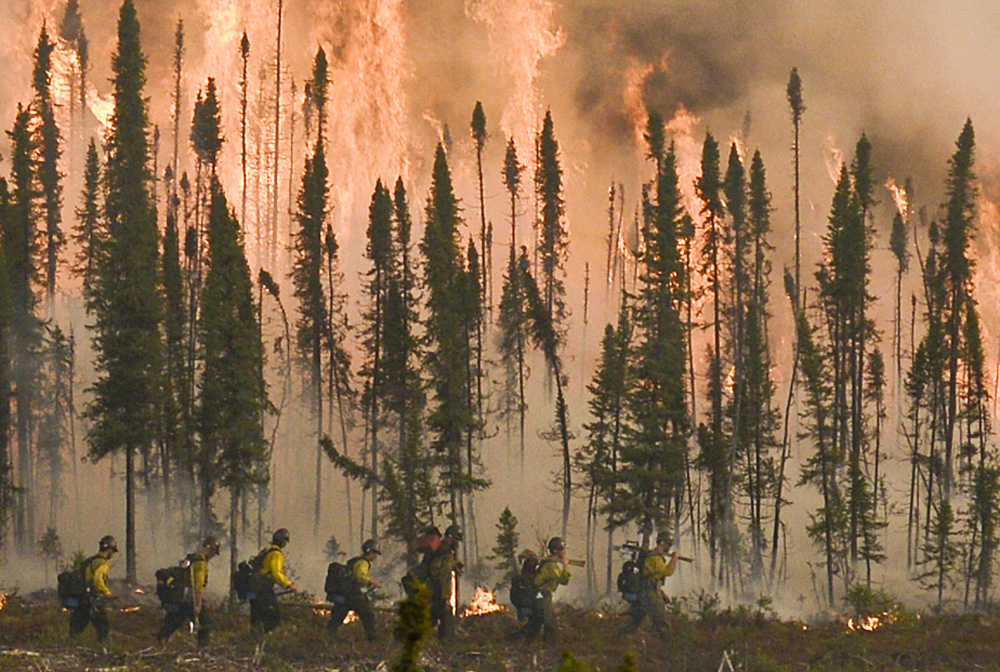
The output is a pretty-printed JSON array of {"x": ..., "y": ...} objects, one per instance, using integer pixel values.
[
  {"x": 211, "y": 543},
  {"x": 370, "y": 546},
  {"x": 106, "y": 542},
  {"x": 280, "y": 537},
  {"x": 556, "y": 544},
  {"x": 454, "y": 531},
  {"x": 664, "y": 537}
]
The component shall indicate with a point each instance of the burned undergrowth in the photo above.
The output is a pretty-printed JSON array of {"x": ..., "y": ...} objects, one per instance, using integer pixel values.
[{"x": 33, "y": 637}]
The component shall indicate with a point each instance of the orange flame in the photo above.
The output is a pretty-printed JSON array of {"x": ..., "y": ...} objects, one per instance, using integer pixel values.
[
  {"x": 741, "y": 149},
  {"x": 520, "y": 33},
  {"x": 324, "y": 612},
  {"x": 140, "y": 591},
  {"x": 635, "y": 77},
  {"x": 130, "y": 610},
  {"x": 833, "y": 157},
  {"x": 484, "y": 602},
  {"x": 3, "y": 601},
  {"x": 870, "y": 623},
  {"x": 688, "y": 150},
  {"x": 899, "y": 195},
  {"x": 453, "y": 598}
]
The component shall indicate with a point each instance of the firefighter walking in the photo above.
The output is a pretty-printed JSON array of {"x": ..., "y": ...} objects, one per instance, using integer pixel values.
[
  {"x": 193, "y": 610},
  {"x": 92, "y": 607},
  {"x": 353, "y": 596},
  {"x": 551, "y": 574},
  {"x": 649, "y": 600},
  {"x": 264, "y": 613}
]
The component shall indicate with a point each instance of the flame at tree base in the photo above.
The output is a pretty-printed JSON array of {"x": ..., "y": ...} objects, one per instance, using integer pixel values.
[
  {"x": 483, "y": 602},
  {"x": 3, "y": 601}
]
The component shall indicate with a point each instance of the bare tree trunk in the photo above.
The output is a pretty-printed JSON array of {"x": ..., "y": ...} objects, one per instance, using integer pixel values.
[
  {"x": 130, "y": 573},
  {"x": 234, "y": 497}
]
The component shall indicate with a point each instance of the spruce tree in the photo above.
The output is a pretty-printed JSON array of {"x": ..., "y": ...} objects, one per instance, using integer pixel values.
[
  {"x": 20, "y": 242},
  {"x": 897, "y": 245},
  {"x": 715, "y": 453},
  {"x": 7, "y": 482},
  {"x": 821, "y": 467},
  {"x": 231, "y": 396},
  {"x": 53, "y": 420},
  {"x": 554, "y": 239},
  {"x": 956, "y": 276},
  {"x": 379, "y": 251},
  {"x": 479, "y": 136},
  {"x": 738, "y": 413},
  {"x": 47, "y": 141},
  {"x": 126, "y": 333},
  {"x": 761, "y": 413},
  {"x": 90, "y": 234},
  {"x": 505, "y": 551},
  {"x": 795, "y": 102},
  {"x": 545, "y": 338},
  {"x": 410, "y": 493},
  {"x": 512, "y": 314},
  {"x": 307, "y": 275},
  {"x": 335, "y": 340},
  {"x": 598, "y": 460},
  {"x": 444, "y": 277},
  {"x": 474, "y": 318},
  {"x": 654, "y": 452},
  {"x": 244, "y": 91}
]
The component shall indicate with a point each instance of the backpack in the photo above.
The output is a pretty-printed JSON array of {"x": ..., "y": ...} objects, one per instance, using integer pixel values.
[
  {"x": 340, "y": 580},
  {"x": 72, "y": 584},
  {"x": 243, "y": 579},
  {"x": 630, "y": 579},
  {"x": 428, "y": 542},
  {"x": 173, "y": 584},
  {"x": 522, "y": 586},
  {"x": 420, "y": 573}
]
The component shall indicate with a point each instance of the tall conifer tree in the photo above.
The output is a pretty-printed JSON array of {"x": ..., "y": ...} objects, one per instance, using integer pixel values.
[
  {"x": 127, "y": 332},
  {"x": 231, "y": 393},
  {"x": 20, "y": 242},
  {"x": 48, "y": 154}
]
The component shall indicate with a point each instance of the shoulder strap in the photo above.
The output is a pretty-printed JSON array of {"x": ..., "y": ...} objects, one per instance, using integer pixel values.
[{"x": 85, "y": 565}]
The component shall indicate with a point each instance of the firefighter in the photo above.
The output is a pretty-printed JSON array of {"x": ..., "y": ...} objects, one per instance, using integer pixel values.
[
  {"x": 444, "y": 569},
  {"x": 649, "y": 601},
  {"x": 264, "y": 613},
  {"x": 176, "y": 615},
  {"x": 93, "y": 603},
  {"x": 357, "y": 590},
  {"x": 551, "y": 574}
]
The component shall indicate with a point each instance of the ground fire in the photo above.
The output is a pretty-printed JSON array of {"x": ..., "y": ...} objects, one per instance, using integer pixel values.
[{"x": 483, "y": 602}]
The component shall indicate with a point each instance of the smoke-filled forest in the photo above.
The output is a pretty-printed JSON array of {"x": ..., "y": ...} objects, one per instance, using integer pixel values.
[{"x": 590, "y": 269}]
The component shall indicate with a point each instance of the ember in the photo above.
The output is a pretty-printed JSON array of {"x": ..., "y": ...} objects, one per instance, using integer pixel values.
[
  {"x": 130, "y": 610},
  {"x": 140, "y": 591},
  {"x": 484, "y": 602}
]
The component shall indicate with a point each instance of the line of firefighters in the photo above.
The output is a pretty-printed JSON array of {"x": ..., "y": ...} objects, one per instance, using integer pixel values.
[{"x": 349, "y": 587}]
